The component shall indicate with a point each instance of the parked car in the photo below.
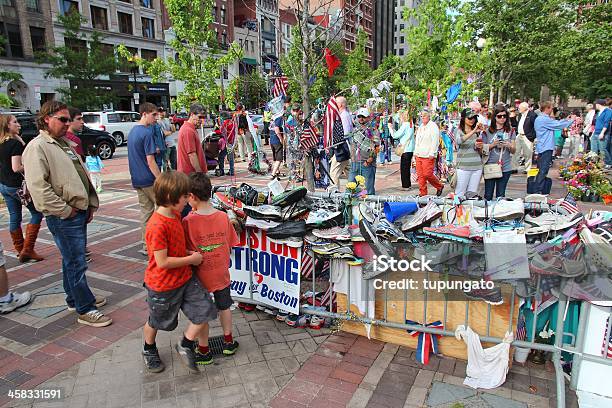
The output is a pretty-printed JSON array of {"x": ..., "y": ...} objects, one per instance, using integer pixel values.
[
  {"x": 117, "y": 123},
  {"x": 177, "y": 119},
  {"x": 104, "y": 142}
]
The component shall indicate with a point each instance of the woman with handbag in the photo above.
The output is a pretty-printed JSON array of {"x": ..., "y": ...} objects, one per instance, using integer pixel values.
[
  {"x": 14, "y": 191},
  {"x": 405, "y": 148},
  {"x": 469, "y": 161},
  {"x": 498, "y": 146}
]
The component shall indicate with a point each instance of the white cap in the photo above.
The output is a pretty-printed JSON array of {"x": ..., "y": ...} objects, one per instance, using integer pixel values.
[{"x": 363, "y": 112}]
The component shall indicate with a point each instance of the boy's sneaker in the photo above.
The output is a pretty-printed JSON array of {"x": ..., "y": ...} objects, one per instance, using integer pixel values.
[
  {"x": 203, "y": 359},
  {"x": 230, "y": 348},
  {"x": 281, "y": 316},
  {"x": 188, "y": 356},
  {"x": 152, "y": 361},
  {"x": 17, "y": 300},
  {"x": 100, "y": 301},
  {"x": 247, "y": 307},
  {"x": 94, "y": 318},
  {"x": 297, "y": 321}
]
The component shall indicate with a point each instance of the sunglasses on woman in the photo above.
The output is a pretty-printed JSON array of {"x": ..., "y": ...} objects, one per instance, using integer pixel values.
[
  {"x": 501, "y": 116},
  {"x": 472, "y": 117}
]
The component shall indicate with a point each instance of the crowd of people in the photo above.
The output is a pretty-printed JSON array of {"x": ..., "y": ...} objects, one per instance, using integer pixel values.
[{"x": 55, "y": 177}]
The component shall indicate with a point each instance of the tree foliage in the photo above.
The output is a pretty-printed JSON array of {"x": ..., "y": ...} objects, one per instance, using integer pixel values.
[
  {"x": 248, "y": 89},
  {"x": 81, "y": 61},
  {"x": 198, "y": 62},
  {"x": 358, "y": 70}
]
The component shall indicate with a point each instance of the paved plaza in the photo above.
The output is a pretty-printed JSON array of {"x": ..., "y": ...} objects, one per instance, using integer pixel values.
[{"x": 42, "y": 346}]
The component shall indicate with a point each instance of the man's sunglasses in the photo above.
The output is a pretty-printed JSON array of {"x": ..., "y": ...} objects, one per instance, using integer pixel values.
[{"x": 62, "y": 119}]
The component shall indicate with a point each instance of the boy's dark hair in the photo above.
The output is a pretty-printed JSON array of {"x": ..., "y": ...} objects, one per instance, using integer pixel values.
[
  {"x": 170, "y": 187},
  {"x": 201, "y": 186},
  {"x": 91, "y": 150},
  {"x": 74, "y": 112}
]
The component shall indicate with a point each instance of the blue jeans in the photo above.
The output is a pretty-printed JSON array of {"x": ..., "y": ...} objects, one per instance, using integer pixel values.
[
  {"x": 498, "y": 185},
  {"x": 385, "y": 151},
  {"x": 369, "y": 172},
  {"x": 13, "y": 203},
  {"x": 230, "y": 158},
  {"x": 70, "y": 237},
  {"x": 544, "y": 165},
  {"x": 602, "y": 146}
]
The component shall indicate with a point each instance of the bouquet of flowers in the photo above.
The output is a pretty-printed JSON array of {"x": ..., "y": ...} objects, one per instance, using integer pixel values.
[{"x": 357, "y": 188}]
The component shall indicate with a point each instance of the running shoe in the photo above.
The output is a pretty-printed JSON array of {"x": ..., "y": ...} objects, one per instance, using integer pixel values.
[
  {"x": 264, "y": 212},
  {"x": 598, "y": 246},
  {"x": 422, "y": 217},
  {"x": 203, "y": 359},
  {"x": 490, "y": 296},
  {"x": 230, "y": 348},
  {"x": 323, "y": 218},
  {"x": 547, "y": 222},
  {"x": 290, "y": 197},
  {"x": 227, "y": 202},
  {"x": 378, "y": 246},
  {"x": 281, "y": 316},
  {"x": 316, "y": 322},
  {"x": 451, "y": 232},
  {"x": 297, "y": 321},
  {"x": 536, "y": 198},
  {"x": 388, "y": 231},
  {"x": 501, "y": 209},
  {"x": 368, "y": 213},
  {"x": 334, "y": 233},
  {"x": 247, "y": 307},
  {"x": 355, "y": 233}
]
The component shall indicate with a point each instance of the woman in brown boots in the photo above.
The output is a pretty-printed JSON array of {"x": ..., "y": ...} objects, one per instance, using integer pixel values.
[{"x": 11, "y": 178}]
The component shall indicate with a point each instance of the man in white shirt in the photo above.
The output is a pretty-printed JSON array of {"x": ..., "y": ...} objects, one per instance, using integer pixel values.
[
  {"x": 426, "y": 151},
  {"x": 525, "y": 137},
  {"x": 337, "y": 167}
]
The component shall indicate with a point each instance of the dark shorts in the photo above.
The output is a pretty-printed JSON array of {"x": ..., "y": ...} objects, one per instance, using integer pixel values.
[
  {"x": 223, "y": 298},
  {"x": 277, "y": 152},
  {"x": 191, "y": 298}
]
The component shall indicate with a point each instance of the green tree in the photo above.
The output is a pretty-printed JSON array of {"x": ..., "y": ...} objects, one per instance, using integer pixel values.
[
  {"x": 199, "y": 62},
  {"x": 358, "y": 71},
  {"x": 248, "y": 89},
  {"x": 82, "y": 60},
  {"x": 7, "y": 76}
]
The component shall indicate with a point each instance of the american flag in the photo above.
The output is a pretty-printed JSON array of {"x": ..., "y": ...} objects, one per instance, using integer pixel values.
[
  {"x": 568, "y": 203},
  {"x": 521, "y": 329},
  {"x": 606, "y": 350},
  {"x": 307, "y": 263},
  {"x": 280, "y": 82},
  {"x": 332, "y": 116},
  {"x": 309, "y": 138}
]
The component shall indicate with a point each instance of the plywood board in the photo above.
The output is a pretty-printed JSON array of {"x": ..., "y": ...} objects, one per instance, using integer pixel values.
[{"x": 479, "y": 315}]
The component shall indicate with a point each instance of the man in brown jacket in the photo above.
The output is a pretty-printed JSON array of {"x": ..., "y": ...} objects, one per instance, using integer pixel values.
[{"x": 61, "y": 189}]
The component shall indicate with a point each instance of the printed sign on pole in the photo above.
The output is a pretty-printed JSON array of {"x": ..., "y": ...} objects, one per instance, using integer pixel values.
[{"x": 274, "y": 271}]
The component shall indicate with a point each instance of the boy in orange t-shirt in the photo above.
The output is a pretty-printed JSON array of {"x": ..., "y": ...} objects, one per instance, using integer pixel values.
[
  {"x": 169, "y": 280},
  {"x": 210, "y": 232}
]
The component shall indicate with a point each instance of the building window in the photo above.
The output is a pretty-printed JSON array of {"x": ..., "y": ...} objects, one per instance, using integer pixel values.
[
  {"x": 214, "y": 13},
  {"x": 37, "y": 35},
  {"x": 75, "y": 45},
  {"x": 252, "y": 46},
  {"x": 223, "y": 15},
  {"x": 7, "y": 3},
  {"x": 13, "y": 47},
  {"x": 224, "y": 38},
  {"x": 401, "y": 51},
  {"x": 69, "y": 7},
  {"x": 148, "y": 55},
  {"x": 148, "y": 27},
  {"x": 125, "y": 23},
  {"x": 146, "y": 3},
  {"x": 31, "y": 5},
  {"x": 98, "y": 18},
  {"x": 124, "y": 64},
  {"x": 401, "y": 40},
  {"x": 402, "y": 26}
]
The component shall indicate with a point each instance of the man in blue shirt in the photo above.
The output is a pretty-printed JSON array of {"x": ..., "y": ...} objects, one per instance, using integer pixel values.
[
  {"x": 601, "y": 135},
  {"x": 143, "y": 166},
  {"x": 545, "y": 127}
]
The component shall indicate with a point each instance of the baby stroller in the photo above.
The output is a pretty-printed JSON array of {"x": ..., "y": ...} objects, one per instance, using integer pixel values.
[{"x": 211, "y": 147}]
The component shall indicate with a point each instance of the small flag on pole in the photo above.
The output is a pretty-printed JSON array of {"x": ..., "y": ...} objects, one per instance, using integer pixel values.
[
  {"x": 330, "y": 129},
  {"x": 280, "y": 82},
  {"x": 309, "y": 138}
]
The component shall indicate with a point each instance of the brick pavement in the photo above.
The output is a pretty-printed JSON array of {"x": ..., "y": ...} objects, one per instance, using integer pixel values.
[{"x": 43, "y": 342}]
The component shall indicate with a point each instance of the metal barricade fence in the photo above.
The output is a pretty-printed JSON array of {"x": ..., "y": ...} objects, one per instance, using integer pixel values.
[{"x": 555, "y": 349}]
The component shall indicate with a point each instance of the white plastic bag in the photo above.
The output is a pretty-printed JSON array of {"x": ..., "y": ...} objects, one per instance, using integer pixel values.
[{"x": 506, "y": 254}]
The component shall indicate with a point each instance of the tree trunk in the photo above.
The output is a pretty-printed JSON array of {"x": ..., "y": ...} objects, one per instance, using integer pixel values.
[{"x": 307, "y": 46}]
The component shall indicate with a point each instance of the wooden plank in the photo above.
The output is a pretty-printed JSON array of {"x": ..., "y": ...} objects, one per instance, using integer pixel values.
[{"x": 414, "y": 307}]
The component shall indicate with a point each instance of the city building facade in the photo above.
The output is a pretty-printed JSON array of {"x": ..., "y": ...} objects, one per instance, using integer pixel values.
[
  {"x": 400, "y": 43},
  {"x": 384, "y": 18},
  {"x": 264, "y": 14}
]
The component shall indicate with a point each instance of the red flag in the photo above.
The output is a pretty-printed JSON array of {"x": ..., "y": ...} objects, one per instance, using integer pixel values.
[{"x": 333, "y": 62}]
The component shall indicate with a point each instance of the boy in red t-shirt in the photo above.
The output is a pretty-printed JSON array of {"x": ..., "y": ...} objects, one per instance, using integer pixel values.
[
  {"x": 210, "y": 231},
  {"x": 171, "y": 285}
]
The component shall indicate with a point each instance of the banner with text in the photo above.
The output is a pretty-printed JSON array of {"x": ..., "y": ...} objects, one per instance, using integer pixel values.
[{"x": 275, "y": 271}]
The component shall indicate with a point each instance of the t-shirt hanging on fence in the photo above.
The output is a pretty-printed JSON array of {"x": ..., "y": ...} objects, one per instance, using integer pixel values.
[{"x": 274, "y": 271}]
